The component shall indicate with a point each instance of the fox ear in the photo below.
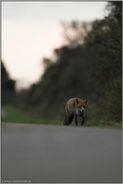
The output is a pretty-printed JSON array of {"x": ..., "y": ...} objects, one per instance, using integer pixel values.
[{"x": 86, "y": 102}]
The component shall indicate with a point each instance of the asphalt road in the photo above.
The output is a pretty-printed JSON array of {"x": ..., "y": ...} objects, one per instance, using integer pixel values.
[{"x": 42, "y": 153}]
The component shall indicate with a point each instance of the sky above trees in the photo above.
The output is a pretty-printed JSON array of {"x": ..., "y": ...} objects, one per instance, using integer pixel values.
[{"x": 31, "y": 30}]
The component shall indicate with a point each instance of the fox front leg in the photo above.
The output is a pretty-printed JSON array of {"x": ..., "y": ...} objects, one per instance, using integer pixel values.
[
  {"x": 83, "y": 120},
  {"x": 76, "y": 120}
]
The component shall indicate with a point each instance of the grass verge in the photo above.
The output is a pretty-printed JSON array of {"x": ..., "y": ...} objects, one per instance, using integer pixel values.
[{"x": 15, "y": 115}]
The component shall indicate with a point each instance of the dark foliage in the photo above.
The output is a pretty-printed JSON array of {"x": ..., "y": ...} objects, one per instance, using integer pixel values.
[
  {"x": 91, "y": 69},
  {"x": 7, "y": 86}
]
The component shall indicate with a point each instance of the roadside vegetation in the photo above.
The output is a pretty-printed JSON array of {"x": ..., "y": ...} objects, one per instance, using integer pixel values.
[
  {"x": 14, "y": 115},
  {"x": 88, "y": 66}
]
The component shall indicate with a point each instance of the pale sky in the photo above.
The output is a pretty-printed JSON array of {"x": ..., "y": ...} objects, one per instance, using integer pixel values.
[{"x": 31, "y": 30}]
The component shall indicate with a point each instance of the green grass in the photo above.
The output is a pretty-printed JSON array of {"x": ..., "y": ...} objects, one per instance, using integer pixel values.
[
  {"x": 18, "y": 116},
  {"x": 104, "y": 123},
  {"x": 15, "y": 115}
]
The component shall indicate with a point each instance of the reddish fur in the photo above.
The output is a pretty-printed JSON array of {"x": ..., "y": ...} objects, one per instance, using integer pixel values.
[{"x": 71, "y": 106}]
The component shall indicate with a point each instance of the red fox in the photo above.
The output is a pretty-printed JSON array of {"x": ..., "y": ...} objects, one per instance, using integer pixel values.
[{"x": 75, "y": 108}]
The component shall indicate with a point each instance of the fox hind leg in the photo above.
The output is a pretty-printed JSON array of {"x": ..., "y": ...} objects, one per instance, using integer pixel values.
[
  {"x": 65, "y": 120},
  {"x": 68, "y": 119}
]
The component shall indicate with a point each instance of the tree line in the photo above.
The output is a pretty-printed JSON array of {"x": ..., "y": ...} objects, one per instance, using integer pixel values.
[{"x": 88, "y": 66}]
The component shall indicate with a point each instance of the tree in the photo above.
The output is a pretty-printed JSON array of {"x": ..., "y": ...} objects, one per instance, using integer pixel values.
[
  {"x": 7, "y": 86},
  {"x": 89, "y": 68}
]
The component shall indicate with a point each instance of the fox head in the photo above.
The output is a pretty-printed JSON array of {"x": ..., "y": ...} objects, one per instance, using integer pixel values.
[{"x": 80, "y": 106}]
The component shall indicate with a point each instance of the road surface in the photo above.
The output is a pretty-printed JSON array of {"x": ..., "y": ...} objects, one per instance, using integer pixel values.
[{"x": 43, "y": 153}]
